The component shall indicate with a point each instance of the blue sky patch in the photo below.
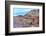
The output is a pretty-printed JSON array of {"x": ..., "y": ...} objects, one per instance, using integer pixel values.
[{"x": 20, "y": 11}]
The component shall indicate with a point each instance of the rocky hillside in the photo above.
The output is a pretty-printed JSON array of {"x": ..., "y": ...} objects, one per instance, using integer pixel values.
[
  {"x": 34, "y": 12},
  {"x": 28, "y": 20}
]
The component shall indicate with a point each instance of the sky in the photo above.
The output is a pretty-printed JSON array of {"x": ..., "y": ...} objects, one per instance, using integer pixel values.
[{"x": 20, "y": 11}]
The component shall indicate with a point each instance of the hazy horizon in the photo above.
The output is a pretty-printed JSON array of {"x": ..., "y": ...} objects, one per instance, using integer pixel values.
[{"x": 20, "y": 11}]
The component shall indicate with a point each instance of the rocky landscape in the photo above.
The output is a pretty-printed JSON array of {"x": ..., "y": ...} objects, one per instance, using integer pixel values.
[{"x": 30, "y": 19}]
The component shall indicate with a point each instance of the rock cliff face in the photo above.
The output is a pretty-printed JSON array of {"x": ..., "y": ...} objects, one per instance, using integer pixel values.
[{"x": 28, "y": 20}]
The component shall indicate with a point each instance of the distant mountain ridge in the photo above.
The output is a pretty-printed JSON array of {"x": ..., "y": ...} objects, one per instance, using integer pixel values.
[{"x": 34, "y": 12}]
